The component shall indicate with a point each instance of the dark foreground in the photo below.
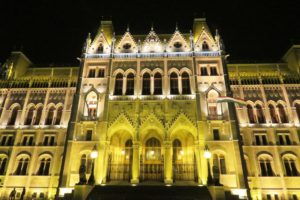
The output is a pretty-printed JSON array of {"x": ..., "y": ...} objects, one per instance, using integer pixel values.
[{"x": 142, "y": 192}]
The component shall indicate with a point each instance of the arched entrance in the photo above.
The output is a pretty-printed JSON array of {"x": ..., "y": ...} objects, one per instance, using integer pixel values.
[
  {"x": 152, "y": 161},
  {"x": 120, "y": 158},
  {"x": 184, "y": 159}
]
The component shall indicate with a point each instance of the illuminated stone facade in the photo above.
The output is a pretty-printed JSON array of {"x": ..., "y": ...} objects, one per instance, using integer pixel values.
[{"x": 148, "y": 105}]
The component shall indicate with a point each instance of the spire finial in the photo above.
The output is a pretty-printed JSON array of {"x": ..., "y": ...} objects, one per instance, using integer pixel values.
[
  {"x": 127, "y": 29},
  {"x": 176, "y": 26},
  {"x": 152, "y": 27}
]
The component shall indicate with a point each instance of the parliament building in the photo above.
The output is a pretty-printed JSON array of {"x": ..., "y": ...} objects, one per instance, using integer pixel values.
[{"x": 144, "y": 110}]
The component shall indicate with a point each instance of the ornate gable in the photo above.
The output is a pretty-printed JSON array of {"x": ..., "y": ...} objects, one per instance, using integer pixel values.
[
  {"x": 99, "y": 44},
  {"x": 177, "y": 43},
  {"x": 126, "y": 44},
  {"x": 122, "y": 122},
  {"x": 151, "y": 121},
  {"x": 152, "y": 43},
  {"x": 206, "y": 37},
  {"x": 183, "y": 122}
]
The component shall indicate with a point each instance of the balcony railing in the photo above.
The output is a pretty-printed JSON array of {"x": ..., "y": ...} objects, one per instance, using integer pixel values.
[
  {"x": 215, "y": 117},
  {"x": 155, "y": 55}
]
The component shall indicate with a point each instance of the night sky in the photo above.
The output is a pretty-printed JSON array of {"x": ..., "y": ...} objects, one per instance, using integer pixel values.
[{"x": 53, "y": 31}]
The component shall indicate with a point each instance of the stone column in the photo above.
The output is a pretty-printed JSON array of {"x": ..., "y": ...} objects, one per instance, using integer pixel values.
[
  {"x": 135, "y": 163},
  {"x": 179, "y": 84},
  {"x": 168, "y": 163},
  {"x": 199, "y": 162}
]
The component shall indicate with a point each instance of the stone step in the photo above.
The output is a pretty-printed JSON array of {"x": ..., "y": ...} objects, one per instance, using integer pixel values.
[{"x": 149, "y": 192}]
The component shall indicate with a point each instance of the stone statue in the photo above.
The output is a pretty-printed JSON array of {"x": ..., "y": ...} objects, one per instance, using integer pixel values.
[
  {"x": 216, "y": 175},
  {"x": 82, "y": 175},
  {"x": 23, "y": 193},
  {"x": 12, "y": 195}
]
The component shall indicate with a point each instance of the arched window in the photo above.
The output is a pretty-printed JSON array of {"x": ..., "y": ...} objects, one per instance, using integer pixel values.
[
  {"x": 157, "y": 84},
  {"x": 22, "y": 166},
  {"x": 87, "y": 162},
  {"x": 273, "y": 114},
  {"x": 282, "y": 113},
  {"x": 219, "y": 162},
  {"x": 153, "y": 149},
  {"x": 44, "y": 167},
  {"x": 3, "y": 161},
  {"x": 13, "y": 115},
  {"x": 38, "y": 115},
  {"x": 146, "y": 84},
  {"x": 205, "y": 46},
  {"x": 50, "y": 116},
  {"x": 119, "y": 84},
  {"x": 91, "y": 104},
  {"x": 251, "y": 115},
  {"x": 185, "y": 80},
  {"x": 214, "y": 108},
  {"x": 130, "y": 84},
  {"x": 289, "y": 163},
  {"x": 260, "y": 114},
  {"x": 297, "y": 106},
  {"x": 174, "y": 83},
  {"x": 265, "y": 166},
  {"x": 29, "y": 116},
  {"x": 59, "y": 112}
]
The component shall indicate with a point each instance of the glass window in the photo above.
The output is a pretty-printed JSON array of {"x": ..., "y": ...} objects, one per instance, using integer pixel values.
[
  {"x": 185, "y": 80},
  {"x": 157, "y": 84},
  {"x": 92, "y": 73},
  {"x": 130, "y": 84},
  {"x": 146, "y": 84},
  {"x": 174, "y": 83}
]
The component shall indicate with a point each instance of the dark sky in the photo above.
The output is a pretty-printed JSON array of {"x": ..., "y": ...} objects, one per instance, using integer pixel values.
[{"x": 53, "y": 31}]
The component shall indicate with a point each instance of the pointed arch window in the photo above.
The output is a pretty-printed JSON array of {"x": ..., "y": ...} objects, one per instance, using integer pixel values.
[
  {"x": 38, "y": 115},
  {"x": 13, "y": 115},
  {"x": 130, "y": 84},
  {"x": 157, "y": 84},
  {"x": 185, "y": 80},
  {"x": 44, "y": 167},
  {"x": 29, "y": 116},
  {"x": 260, "y": 114},
  {"x": 214, "y": 108},
  {"x": 91, "y": 103},
  {"x": 273, "y": 114},
  {"x": 282, "y": 113},
  {"x": 3, "y": 161},
  {"x": 118, "y": 84},
  {"x": 205, "y": 46},
  {"x": 174, "y": 83},
  {"x": 251, "y": 115},
  {"x": 58, "y": 115},
  {"x": 146, "y": 84},
  {"x": 50, "y": 116}
]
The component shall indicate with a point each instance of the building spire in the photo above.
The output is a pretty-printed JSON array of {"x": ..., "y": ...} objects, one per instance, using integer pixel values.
[
  {"x": 127, "y": 29},
  {"x": 176, "y": 26}
]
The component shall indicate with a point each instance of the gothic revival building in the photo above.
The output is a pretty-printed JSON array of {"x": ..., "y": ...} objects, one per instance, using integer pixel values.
[{"x": 147, "y": 106}]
